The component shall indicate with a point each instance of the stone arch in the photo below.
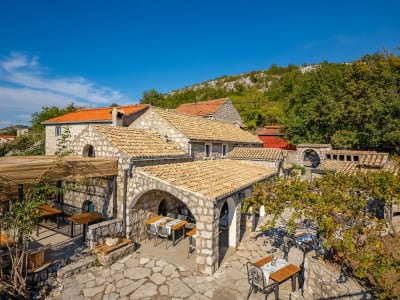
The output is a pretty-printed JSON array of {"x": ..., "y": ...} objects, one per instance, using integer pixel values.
[
  {"x": 311, "y": 158},
  {"x": 319, "y": 151},
  {"x": 88, "y": 151}
]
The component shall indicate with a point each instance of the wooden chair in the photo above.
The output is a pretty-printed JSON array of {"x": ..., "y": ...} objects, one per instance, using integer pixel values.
[
  {"x": 37, "y": 264},
  {"x": 258, "y": 283}
]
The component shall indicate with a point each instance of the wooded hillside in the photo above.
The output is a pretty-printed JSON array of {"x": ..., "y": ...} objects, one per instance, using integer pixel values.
[{"x": 352, "y": 105}]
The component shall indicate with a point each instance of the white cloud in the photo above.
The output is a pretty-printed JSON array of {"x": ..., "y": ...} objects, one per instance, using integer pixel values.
[{"x": 25, "y": 87}]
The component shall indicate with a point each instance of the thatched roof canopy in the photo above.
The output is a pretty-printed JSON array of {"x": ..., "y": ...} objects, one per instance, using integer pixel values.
[{"x": 26, "y": 169}]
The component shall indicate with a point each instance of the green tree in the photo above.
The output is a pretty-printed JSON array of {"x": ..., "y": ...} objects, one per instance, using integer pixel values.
[
  {"x": 48, "y": 113},
  {"x": 340, "y": 206}
]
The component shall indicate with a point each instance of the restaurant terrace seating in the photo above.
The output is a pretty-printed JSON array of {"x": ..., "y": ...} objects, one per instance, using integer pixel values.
[{"x": 258, "y": 282}]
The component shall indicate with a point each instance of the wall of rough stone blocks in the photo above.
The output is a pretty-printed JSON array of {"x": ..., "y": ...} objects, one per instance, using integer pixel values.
[
  {"x": 301, "y": 151},
  {"x": 51, "y": 138},
  {"x": 321, "y": 282},
  {"x": 228, "y": 113},
  {"x": 153, "y": 121},
  {"x": 201, "y": 208}
]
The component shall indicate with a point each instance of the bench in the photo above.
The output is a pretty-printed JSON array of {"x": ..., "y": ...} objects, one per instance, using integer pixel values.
[{"x": 104, "y": 249}]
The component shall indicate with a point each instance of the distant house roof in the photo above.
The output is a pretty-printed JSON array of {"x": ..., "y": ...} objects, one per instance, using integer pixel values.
[
  {"x": 203, "y": 108},
  {"x": 255, "y": 153},
  {"x": 367, "y": 161},
  {"x": 271, "y": 130},
  {"x": 95, "y": 114},
  {"x": 211, "y": 178},
  {"x": 198, "y": 128},
  {"x": 140, "y": 143},
  {"x": 8, "y": 137}
]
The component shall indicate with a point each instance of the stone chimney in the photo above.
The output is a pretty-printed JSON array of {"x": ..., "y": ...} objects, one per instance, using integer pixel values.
[{"x": 116, "y": 117}]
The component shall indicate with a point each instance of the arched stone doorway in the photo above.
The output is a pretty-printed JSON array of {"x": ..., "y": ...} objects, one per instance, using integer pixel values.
[
  {"x": 150, "y": 203},
  {"x": 311, "y": 158},
  {"x": 87, "y": 206},
  {"x": 88, "y": 151}
]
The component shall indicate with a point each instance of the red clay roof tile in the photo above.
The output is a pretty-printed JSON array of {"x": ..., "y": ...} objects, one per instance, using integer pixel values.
[
  {"x": 203, "y": 108},
  {"x": 95, "y": 114}
]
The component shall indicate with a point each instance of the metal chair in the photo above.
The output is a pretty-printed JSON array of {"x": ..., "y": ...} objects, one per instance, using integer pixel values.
[
  {"x": 151, "y": 231},
  {"x": 171, "y": 215},
  {"x": 182, "y": 217},
  {"x": 258, "y": 283},
  {"x": 162, "y": 233}
]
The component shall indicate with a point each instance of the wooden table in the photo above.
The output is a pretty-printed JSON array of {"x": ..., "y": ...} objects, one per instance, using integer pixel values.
[
  {"x": 84, "y": 219},
  {"x": 179, "y": 226},
  {"x": 152, "y": 220},
  {"x": 45, "y": 211},
  {"x": 6, "y": 240},
  {"x": 281, "y": 275}
]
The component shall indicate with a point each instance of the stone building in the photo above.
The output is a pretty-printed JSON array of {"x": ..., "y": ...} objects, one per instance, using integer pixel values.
[
  {"x": 218, "y": 109},
  {"x": 201, "y": 138},
  {"x": 271, "y": 158},
  {"x": 78, "y": 120},
  {"x": 157, "y": 174}
]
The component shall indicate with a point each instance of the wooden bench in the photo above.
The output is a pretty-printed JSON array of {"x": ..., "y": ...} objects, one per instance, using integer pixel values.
[{"x": 105, "y": 249}]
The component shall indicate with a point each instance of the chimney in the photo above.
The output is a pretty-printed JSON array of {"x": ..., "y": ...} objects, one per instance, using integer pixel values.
[{"x": 116, "y": 117}]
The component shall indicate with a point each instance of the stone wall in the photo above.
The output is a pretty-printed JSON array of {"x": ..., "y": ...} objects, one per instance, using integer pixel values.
[
  {"x": 228, "y": 113},
  {"x": 322, "y": 282},
  {"x": 201, "y": 207},
  {"x": 97, "y": 190},
  {"x": 321, "y": 151},
  {"x": 51, "y": 138},
  {"x": 153, "y": 121}
]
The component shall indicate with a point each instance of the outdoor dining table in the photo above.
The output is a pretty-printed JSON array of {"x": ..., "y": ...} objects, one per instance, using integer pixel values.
[
  {"x": 45, "y": 211},
  {"x": 173, "y": 224},
  {"x": 305, "y": 241},
  {"x": 281, "y": 274},
  {"x": 84, "y": 219}
]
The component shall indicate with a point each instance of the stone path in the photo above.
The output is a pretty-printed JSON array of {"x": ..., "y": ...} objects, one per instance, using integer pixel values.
[{"x": 140, "y": 276}]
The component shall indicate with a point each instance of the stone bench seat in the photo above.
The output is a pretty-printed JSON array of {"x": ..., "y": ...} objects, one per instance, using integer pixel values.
[{"x": 105, "y": 249}]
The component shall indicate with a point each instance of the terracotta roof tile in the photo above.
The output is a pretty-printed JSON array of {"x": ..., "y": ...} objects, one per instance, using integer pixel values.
[
  {"x": 140, "y": 143},
  {"x": 95, "y": 114},
  {"x": 211, "y": 178},
  {"x": 255, "y": 153},
  {"x": 314, "y": 146},
  {"x": 198, "y": 128},
  {"x": 203, "y": 108},
  {"x": 271, "y": 130},
  {"x": 377, "y": 162}
]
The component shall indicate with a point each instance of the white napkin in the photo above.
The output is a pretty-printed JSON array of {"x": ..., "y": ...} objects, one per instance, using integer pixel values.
[{"x": 169, "y": 225}]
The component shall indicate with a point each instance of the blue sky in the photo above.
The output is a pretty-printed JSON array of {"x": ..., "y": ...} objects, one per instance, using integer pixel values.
[{"x": 95, "y": 53}]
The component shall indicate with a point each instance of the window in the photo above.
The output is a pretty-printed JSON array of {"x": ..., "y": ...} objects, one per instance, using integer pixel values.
[
  {"x": 208, "y": 150},
  {"x": 355, "y": 158},
  {"x": 341, "y": 157},
  {"x": 348, "y": 157},
  {"x": 58, "y": 130},
  {"x": 224, "y": 150}
]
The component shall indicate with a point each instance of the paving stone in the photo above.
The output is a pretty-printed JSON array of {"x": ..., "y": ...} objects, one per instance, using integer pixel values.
[
  {"x": 146, "y": 290},
  {"x": 168, "y": 270},
  {"x": 177, "y": 288},
  {"x": 91, "y": 292},
  {"x": 128, "y": 289},
  {"x": 158, "y": 278},
  {"x": 137, "y": 273},
  {"x": 163, "y": 290}
]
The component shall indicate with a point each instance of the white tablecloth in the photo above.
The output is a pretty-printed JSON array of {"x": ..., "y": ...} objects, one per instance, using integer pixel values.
[
  {"x": 158, "y": 222},
  {"x": 169, "y": 225},
  {"x": 269, "y": 268}
]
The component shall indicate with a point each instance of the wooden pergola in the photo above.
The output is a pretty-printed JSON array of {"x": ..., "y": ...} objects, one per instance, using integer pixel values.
[{"x": 16, "y": 170}]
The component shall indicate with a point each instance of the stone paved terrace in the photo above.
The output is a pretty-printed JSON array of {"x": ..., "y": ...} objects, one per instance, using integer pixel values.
[{"x": 144, "y": 276}]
